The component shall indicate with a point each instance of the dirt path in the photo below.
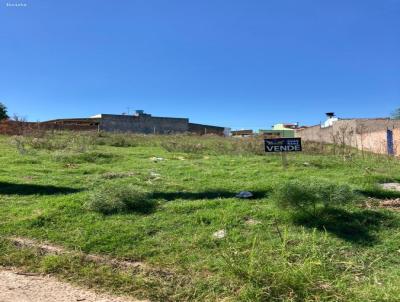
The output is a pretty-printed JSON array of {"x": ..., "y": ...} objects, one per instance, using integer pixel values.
[{"x": 17, "y": 287}]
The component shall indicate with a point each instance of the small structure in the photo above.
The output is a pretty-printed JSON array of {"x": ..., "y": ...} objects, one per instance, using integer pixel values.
[
  {"x": 242, "y": 133},
  {"x": 227, "y": 131},
  {"x": 283, "y": 130},
  {"x": 202, "y": 129},
  {"x": 331, "y": 118}
]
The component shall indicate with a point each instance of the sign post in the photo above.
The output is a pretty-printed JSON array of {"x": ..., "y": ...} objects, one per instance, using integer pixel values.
[
  {"x": 283, "y": 145},
  {"x": 284, "y": 159},
  {"x": 390, "y": 148}
]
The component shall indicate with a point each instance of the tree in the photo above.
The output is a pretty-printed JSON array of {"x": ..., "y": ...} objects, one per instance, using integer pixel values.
[
  {"x": 396, "y": 114},
  {"x": 3, "y": 112}
]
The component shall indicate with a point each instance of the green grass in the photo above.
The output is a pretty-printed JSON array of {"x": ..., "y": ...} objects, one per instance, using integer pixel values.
[{"x": 342, "y": 254}]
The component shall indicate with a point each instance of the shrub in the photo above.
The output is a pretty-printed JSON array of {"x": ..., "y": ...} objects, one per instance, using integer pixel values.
[
  {"x": 19, "y": 143},
  {"x": 295, "y": 194},
  {"x": 51, "y": 141},
  {"x": 118, "y": 199},
  {"x": 307, "y": 196},
  {"x": 117, "y": 140},
  {"x": 112, "y": 175},
  {"x": 334, "y": 195},
  {"x": 85, "y": 157},
  {"x": 81, "y": 142},
  {"x": 127, "y": 139},
  {"x": 211, "y": 144},
  {"x": 183, "y": 145}
]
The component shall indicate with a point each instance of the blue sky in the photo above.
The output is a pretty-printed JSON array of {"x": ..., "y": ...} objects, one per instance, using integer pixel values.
[{"x": 243, "y": 64}]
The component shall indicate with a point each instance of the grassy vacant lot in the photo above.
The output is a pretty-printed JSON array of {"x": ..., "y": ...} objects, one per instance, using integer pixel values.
[{"x": 349, "y": 253}]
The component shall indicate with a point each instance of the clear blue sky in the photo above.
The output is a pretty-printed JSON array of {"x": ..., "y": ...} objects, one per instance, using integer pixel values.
[{"x": 244, "y": 64}]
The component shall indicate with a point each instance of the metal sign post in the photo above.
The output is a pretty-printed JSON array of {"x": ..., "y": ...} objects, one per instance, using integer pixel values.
[{"x": 283, "y": 145}]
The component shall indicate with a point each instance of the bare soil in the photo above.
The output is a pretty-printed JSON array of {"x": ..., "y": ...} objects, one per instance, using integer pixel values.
[
  {"x": 390, "y": 203},
  {"x": 392, "y": 186},
  {"x": 23, "y": 287},
  {"x": 393, "y": 204},
  {"x": 58, "y": 250}
]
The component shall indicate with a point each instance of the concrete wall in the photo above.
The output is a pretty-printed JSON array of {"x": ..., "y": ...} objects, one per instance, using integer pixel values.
[
  {"x": 143, "y": 124},
  {"x": 364, "y": 134}
]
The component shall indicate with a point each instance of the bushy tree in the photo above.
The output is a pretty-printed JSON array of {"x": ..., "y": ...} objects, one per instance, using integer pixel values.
[
  {"x": 396, "y": 114},
  {"x": 3, "y": 112}
]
